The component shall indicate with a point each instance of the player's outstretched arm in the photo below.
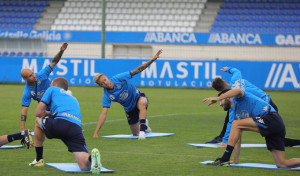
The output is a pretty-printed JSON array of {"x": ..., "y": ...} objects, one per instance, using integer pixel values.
[
  {"x": 224, "y": 69},
  {"x": 145, "y": 65},
  {"x": 232, "y": 93},
  {"x": 56, "y": 58},
  {"x": 100, "y": 122},
  {"x": 23, "y": 118}
]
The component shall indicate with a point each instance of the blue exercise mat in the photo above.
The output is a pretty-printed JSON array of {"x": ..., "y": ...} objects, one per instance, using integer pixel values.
[
  {"x": 243, "y": 145},
  {"x": 73, "y": 167},
  {"x": 130, "y": 136},
  {"x": 11, "y": 146},
  {"x": 255, "y": 165}
]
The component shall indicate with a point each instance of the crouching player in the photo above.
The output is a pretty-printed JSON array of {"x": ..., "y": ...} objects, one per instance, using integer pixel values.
[
  {"x": 263, "y": 119},
  {"x": 65, "y": 125}
]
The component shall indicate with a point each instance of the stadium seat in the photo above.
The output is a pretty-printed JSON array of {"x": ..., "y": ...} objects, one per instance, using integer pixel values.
[
  {"x": 19, "y": 54},
  {"x": 5, "y": 53}
]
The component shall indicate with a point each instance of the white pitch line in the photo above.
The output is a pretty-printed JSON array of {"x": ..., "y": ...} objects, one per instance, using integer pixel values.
[{"x": 151, "y": 116}]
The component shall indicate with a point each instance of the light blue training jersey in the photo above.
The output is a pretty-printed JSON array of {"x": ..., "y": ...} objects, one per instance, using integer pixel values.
[
  {"x": 250, "y": 106},
  {"x": 66, "y": 106},
  {"x": 37, "y": 91},
  {"x": 238, "y": 82},
  {"x": 124, "y": 93}
]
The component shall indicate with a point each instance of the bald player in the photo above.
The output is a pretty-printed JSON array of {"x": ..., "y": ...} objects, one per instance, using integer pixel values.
[{"x": 37, "y": 84}]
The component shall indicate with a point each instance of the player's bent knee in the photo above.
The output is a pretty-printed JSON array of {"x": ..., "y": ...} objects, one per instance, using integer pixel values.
[
  {"x": 38, "y": 121},
  {"x": 142, "y": 102},
  {"x": 235, "y": 124}
]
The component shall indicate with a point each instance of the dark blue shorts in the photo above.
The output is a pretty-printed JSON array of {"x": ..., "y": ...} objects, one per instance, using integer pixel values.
[
  {"x": 70, "y": 133},
  {"x": 273, "y": 105},
  {"x": 272, "y": 128},
  {"x": 133, "y": 116}
]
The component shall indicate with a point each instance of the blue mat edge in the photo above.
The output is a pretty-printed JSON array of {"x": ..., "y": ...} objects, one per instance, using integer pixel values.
[
  {"x": 193, "y": 144},
  {"x": 12, "y": 146},
  {"x": 109, "y": 171},
  {"x": 134, "y": 137},
  {"x": 238, "y": 165}
]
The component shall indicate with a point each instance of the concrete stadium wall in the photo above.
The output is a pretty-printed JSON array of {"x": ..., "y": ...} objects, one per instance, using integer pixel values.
[{"x": 188, "y": 52}]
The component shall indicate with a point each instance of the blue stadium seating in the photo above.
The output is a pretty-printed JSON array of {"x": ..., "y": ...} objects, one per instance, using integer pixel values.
[
  {"x": 262, "y": 16},
  {"x": 17, "y": 14}
]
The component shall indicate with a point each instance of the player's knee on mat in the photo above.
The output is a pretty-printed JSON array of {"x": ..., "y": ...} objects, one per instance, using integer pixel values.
[{"x": 84, "y": 166}]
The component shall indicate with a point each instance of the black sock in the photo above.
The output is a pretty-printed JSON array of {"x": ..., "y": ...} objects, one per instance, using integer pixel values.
[
  {"x": 39, "y": 153},
  {"x": 227, "y": 153},
  {"x": 90, "y": 158},
  {"x": 143, "y": 126},
  {"x": 13, "y": 137}
]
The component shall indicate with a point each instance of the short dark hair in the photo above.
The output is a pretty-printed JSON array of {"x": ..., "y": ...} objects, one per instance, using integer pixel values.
[
  {"x": 218, "y": 84},
  {"x": 224, "y": 91},
  {"x": 61, "y": 82}
]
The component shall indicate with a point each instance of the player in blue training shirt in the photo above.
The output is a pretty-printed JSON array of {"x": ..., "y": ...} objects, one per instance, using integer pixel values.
[
  {"x": 37, "y": 84},
  {"x": 135, "y": 103},
  {"x": 65, "y": 124},
  {"x": 238, "y": 82},
  {"x": 254, "y": 115}
]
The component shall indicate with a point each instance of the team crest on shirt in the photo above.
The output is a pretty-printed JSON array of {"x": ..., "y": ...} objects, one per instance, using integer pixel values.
[
  {"x": 32, "y": 93},
  {"x": 111, "y": 97},
  {"x": 123, "y": 95},
  {"x": 242, "y": 115},
  {"x": 118, "y": 86},
  {"x": 266, "y": 108},
  {"x": 38, "y": 82}
]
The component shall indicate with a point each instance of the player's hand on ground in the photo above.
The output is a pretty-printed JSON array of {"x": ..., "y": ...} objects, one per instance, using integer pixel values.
[
  {"x": 64, "y": 46},
  {"x": 232, "y": 162},
  {"x": 223, "y": 145},
  {"x": 95, "y": 136},
  {"x": 157, "y": 54},
  {"x": 211, "y": 100},
  {"x": 224, "y": 69}
]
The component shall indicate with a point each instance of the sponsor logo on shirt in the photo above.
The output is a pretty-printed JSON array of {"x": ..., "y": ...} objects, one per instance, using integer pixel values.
[
  {"x": 239, "y": 84},
  {"x": 243, "y": 114},
  {"x": 123, "y": 95},
  {"x": 40, "y": 94},
  {"x": 71, "y": 116}
]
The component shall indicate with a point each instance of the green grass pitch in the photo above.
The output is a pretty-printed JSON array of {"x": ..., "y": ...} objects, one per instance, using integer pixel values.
[{"x": 175, "y": 110}]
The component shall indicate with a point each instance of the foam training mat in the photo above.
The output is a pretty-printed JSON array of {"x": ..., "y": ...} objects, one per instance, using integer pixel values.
[
  {"x": 73, "y": 167},
  {"x": 254, "y": 165},
  {"x": 130, "y": 136},
  {"x": 243, "y": 145}
]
